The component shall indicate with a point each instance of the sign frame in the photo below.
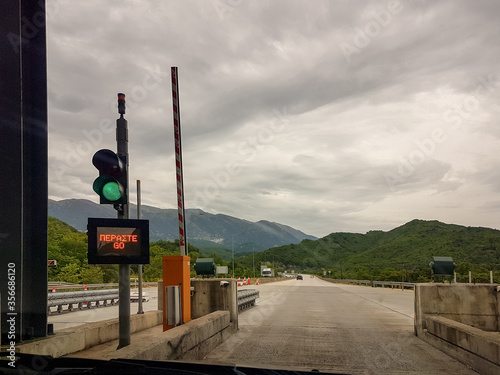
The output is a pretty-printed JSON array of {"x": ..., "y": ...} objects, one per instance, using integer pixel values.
[
  {"x": 222, "y": 270},
  {"x": 138, "y": 229}
]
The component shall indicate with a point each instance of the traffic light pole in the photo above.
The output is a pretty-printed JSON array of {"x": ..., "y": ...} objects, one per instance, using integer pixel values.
[
  {"x": 123, "y": 213},
  {"x": 140, "y": 309}
]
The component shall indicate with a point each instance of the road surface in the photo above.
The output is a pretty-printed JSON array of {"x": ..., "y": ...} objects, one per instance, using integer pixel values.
[{"x": 313, "y": 324}]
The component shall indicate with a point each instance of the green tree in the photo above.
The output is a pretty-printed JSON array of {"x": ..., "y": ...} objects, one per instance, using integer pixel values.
[
  {"x": 110, "y": 273},
  {"x": 154, "y": 270},
  {"x": 70, "y": 274},
  {"x": 92, "y": 275}
]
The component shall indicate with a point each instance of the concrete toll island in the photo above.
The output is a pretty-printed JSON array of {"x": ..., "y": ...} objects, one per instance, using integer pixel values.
[
  {"x": 214, "y": 319},
  {"x": 462, "y": 320}
]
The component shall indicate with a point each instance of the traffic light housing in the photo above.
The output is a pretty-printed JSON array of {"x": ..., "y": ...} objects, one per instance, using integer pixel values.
[{"x": 111, "y": 185}]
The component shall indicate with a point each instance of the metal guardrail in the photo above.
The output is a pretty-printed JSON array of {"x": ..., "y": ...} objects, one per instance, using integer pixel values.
[
  {"x": 68, "y": 286},
  {"x": 246, "y": 298},
  {"x": 81, "y": 298},
  {"x": 100, "y": 297},
  {"x": 374, "y": 283}
]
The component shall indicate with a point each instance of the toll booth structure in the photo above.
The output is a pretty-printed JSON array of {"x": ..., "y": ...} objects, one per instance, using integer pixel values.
[
  {"x": 177, "y": 273},
  {"x": 442, "y": 266},
  {"x": 205, "y": 267}
]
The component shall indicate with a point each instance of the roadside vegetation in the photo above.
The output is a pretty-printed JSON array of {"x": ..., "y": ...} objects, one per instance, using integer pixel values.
[{"x": 402, "y": 254}]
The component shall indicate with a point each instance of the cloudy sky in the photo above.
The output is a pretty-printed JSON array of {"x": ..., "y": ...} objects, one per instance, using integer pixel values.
[{"x": 323, "y": 115}]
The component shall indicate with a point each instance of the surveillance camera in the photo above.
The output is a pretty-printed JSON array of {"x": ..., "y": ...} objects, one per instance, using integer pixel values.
[{"x": 224, "y": 284}]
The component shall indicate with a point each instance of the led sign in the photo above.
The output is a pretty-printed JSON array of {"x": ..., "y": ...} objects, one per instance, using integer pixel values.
[{"x": 118, "y": 241}]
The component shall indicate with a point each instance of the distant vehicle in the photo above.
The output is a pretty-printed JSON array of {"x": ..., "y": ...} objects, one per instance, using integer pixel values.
[
  {"x": 299, "y": 277},
  {"x": 134, "y": 297},
  {"x": 267, "y": 272}
]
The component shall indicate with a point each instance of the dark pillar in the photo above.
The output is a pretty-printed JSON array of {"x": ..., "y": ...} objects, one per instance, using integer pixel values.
[{"x": 23, "y": 169}]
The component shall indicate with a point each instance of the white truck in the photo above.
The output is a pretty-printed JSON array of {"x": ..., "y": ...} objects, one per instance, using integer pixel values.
[{"x": 267, "y": 272}]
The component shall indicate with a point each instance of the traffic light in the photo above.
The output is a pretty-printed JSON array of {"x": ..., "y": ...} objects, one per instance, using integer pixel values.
[{"x": 111, "y": 185}]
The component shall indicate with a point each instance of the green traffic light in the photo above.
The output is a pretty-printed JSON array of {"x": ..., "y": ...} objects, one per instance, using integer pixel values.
[
  {"x": 111, "y": 185},
  {"x": 111, "y": 191}
]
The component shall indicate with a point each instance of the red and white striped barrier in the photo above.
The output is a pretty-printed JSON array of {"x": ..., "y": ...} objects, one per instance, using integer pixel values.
[{"x": 178, "y": 160}]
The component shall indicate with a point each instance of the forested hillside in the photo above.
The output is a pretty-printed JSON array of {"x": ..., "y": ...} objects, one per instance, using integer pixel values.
[
  {"x": 68, "y": 247},
  {"x": 403, "y": 253}
]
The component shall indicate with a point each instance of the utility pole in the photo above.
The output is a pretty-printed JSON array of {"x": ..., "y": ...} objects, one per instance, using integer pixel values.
[
  {"x": 140, "y": 309},
  {"x": 253, "y": 260},
  {"x": 123, "y": 213}
]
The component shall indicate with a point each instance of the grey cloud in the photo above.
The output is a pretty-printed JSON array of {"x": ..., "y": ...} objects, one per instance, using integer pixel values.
[{"x": 238, "y": 68}]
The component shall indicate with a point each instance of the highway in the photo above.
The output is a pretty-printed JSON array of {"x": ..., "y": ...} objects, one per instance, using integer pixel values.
[{"x": 313, "y": 324}]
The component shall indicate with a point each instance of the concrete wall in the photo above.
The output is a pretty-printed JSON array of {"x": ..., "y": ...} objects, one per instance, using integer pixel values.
[
  {"x": 469, "y": 338},
  {"x": 473, "y": 305},
  {"x": 266, "y": 280},
  {"x": 208, "y": 295},
  {"x": 190, "y": 341},
  {"x": 462, "y": 320},
  {"x": 72, "y": 340},
  {"x": 213, "y": 295}
]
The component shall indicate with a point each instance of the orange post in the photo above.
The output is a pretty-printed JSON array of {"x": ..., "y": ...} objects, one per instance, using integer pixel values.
[{"x": 177, "y": 272}]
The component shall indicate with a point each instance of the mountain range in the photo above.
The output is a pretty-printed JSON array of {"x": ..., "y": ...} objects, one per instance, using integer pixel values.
[
  {"x": 412, "y": 245},
  {"x": 403, "y": 253},
  {"x": 204, "y": 230}
]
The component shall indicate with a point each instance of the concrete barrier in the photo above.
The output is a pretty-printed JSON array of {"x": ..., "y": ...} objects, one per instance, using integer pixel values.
[
  {"x": 192, "y": 340},
  {"x": 189, "y": 341},
  {"x": 266, "y": 280},
  {"x": 211, "y": 295},
  {"x": 462, "y": 320},
  {"x": 472, "y": 339},
  {"x": 82, "y": 337},
  {"x": 473, "y": 305}
]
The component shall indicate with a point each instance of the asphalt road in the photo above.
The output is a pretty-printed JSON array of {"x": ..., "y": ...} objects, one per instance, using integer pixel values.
[{"x": 313, "y": 324}]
